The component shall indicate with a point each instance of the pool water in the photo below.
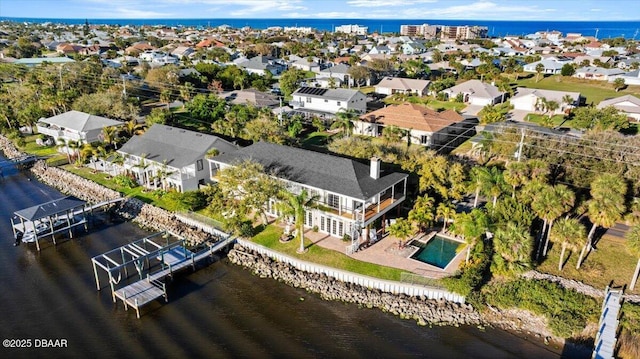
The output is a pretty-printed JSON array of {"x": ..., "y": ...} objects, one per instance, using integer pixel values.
[{"x": 438, "y": 251}]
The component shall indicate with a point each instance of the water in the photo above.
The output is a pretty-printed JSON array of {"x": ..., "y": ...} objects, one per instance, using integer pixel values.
[
  {"x": 606, "y": 29},
  {"x": 220, "y": 311},
  {"x": 438, "y": 251}
]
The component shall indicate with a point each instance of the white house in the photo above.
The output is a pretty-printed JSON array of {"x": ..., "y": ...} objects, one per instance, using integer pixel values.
[
  {"x": 75, "y": 126},
  {"x": 550, "y": 66},
  {"x": 476, "y": 92},
  {"x": 530, "y": 100},
  {"x": 170, "y": 157},
  {"x": 597, "y": 73},
  {"x": 628, "y": 104},
  {"x": 328, "y": 101},
  {"x": 392, "y": 85},
  {"x": 351, "y": 195}
]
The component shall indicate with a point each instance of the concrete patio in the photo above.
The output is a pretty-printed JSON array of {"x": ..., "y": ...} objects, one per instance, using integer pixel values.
[{"x": 386, "y": 252}]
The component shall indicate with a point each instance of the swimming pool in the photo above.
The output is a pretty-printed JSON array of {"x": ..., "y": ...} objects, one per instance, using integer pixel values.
[{"x": 438, "y": 251}]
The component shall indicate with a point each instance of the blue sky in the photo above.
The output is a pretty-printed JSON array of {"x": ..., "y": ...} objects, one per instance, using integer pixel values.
[{"x": 356, "y": 9}]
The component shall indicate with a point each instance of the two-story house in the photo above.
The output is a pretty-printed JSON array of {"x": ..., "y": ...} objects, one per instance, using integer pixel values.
[
  {"x": 350, "y": 194},
  {"x": 75, "y": 126},
  {"x": 170, "y": 157},
  {"x": 328, "y": 101}
]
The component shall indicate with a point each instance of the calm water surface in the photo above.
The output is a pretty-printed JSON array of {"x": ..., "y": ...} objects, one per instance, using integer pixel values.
[{"x": 220, "y": 311}]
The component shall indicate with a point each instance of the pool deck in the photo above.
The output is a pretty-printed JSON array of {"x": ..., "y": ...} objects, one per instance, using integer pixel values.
[{"x": 386, "y": 252}]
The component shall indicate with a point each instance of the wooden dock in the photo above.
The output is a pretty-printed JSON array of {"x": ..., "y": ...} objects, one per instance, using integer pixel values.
[{"x": 172, "y": 258}]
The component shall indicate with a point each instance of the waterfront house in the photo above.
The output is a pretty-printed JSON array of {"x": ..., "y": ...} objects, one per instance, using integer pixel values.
[
  {"x": 170, "y": 157},
  {"x": 393, "y": 85},
  {"x": 627, "y": 104},
  {"x": 422, "y": 125},
  {"x": 351, "y": 195},
  {"x": 75, "y": 126},
  {"x": 321, "y": 101},
  {"x": 476, "y": 92}
]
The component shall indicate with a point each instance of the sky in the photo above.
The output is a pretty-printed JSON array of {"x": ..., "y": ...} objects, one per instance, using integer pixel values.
[{"x": 549, "y": 10}]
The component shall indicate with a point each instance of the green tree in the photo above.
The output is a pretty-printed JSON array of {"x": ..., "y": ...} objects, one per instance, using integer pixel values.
[
  {"x": 633, "y": 246},
  {"x": 594, "y": 119},
  {"x": 539, "y": 70},
  {"x": 570, "y": 233},
  {"x": 471, "y": 226},
  {"x": 516, "y": 174},
  {"x": 619, "y": 84},
  {"x": 344, "y": 121},
  {"x": 289, "y": 81},
  {"x": 401, "y": 229},
  {"x": 512, "y": 250},
  {"x": 567, "y": 70},
  {"x": 422, "y": 212},
  {"x": 296, "y": 205},
  {"x": 158, "y": 115}
]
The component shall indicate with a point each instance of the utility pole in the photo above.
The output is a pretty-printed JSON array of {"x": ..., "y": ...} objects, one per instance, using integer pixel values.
[
  {"x": 60, "y": 74},
  {"x": 124, "y": 88},
  {"x": 519, "y": 153},
  {"x": 280, "y": 112}
]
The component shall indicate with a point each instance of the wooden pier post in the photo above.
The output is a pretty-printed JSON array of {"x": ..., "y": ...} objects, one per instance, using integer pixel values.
[{"x": 95, "y": 273}]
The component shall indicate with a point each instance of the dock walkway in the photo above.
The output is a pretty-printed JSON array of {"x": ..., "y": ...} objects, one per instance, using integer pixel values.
[{"x": 606, "y": 338}]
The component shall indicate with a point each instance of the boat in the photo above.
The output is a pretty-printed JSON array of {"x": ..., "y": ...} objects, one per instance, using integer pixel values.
[{"x": 29, "y": 235}]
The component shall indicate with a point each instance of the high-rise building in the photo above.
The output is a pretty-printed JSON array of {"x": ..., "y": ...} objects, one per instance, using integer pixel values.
[
  {"x": 424, "y": 30},
  {"x": 352, "y": 29},
  {"x": 464, "y": 32}
]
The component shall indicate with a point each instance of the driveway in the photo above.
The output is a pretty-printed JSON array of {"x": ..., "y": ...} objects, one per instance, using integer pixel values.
[{"x": 472, "y": 110}]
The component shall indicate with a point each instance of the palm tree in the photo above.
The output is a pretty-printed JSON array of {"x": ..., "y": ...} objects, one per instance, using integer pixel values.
[
  {"x": 563, "y": 200},
  {"x": 73, "y": 147},
  {"x": 422, "y": 212},
  {"x": 516, "y": 174},
  {"x": 606, "y": 205},
  {"x": 539, "y": 69},
  {"x": 109, "y": 135},
  {"x": 446, "y": 211},
  {"x": 493, "y": 185},
  {"x": 132, "y": 127},
  {"x": 570, "y": 233},
  {"x": 478, "y": 177},
  {"x": 513, "y": 246},
  {"x": 568, "y": 100},
  {"x": 295, "y": 206},
  {"x": 402, "y": 230},
  {"x": 633, "y": 246},
  {"x": 344, "y": 121},
  {"x": 143, "y": 165},
  {"x": 62, "y": 145},
  {"x": 471, "y": 226}
]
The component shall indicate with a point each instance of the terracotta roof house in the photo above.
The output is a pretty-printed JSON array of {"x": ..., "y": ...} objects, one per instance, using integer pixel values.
[
  {"x": 75, "y": 126},
  {"x": 476, "y": 92},
  {"x": 628, "y": 104},
  {"x": 392, "y": 85},
  {"x": 210, "y": 43},
  {"x": 351, "y": 195},
  {"x": 170, "y": 157},
  {"x": 424, "y": 126}
]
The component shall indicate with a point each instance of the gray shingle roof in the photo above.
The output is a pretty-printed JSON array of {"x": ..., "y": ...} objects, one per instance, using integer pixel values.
[
  {"x": 176, "y": 146},
  {"x": 49, "y": 208},
  {"x": 80, "y": 121},
  {"x": 335, "y": 174}
]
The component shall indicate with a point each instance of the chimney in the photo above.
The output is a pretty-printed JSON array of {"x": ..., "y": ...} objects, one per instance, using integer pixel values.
[{"x": 374, "y": 171}]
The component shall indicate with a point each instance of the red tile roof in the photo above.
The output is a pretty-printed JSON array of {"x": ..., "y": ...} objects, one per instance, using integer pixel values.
[{"x": 412, "y": 116}]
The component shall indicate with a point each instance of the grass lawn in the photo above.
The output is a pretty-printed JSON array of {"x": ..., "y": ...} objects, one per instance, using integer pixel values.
[
  {"x": 594, "y": 91},
  {"x": 317, "y": 139},
  {"x": 270, "y": 237},
  {"x": 137, "y": 192},
  {"x": 610, "y": 262},
  {"x": 50, "y": 152},
  {"x": 428, "y": 101},
  {"x": 556, "y": 120}
]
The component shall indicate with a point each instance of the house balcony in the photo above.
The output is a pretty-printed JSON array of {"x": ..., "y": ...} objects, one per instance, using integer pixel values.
[{"x": 372, "y": 210}]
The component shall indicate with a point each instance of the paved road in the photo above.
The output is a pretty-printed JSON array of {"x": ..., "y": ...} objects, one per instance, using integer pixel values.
[{"x": 619, "y": 230}]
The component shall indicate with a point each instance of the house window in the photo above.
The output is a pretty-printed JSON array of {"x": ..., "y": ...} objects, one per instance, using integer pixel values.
[
  {"x": 340, "y": 228},
  {"x": 338, "y": 103},
  {"x": 309, "y": 219},
  {"x": 199, "y": 164},
  {"x": 326, "y": 101},
  {"x": 333, "y": 200},
  {"x": 308, "y": 99},
  {"x": 424, "y": 139},
  {"x": 322, "y": 227}
]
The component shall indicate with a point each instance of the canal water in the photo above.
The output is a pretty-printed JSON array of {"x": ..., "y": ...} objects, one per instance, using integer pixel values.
[{"x": 220, "y": 311}]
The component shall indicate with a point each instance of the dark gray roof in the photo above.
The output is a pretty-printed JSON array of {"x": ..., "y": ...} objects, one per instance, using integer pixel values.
[
  {"x": 49, "y": 208},
  {"x": 335, "y": 174},
  {"x": 174, "y": 145}
]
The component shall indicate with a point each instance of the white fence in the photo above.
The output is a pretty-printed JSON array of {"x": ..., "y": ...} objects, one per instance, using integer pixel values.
[{"x": 349, "y": 277}]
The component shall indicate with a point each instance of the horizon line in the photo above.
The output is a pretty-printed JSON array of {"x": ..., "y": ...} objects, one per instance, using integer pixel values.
[{"x": 302, "y": 18}]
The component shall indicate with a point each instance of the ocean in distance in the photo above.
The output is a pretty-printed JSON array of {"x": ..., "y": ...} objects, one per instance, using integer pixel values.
[{"x": 604, "y": 29}]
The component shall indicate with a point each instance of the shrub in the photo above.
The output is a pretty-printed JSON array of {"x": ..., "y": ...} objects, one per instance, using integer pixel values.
[
  {"x": 566, "y": 310},
  {"x": 125, "y": 181}
]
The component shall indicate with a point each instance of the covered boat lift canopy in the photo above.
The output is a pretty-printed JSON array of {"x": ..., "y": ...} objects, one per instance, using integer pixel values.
[{"x": 49, "y": 218}]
